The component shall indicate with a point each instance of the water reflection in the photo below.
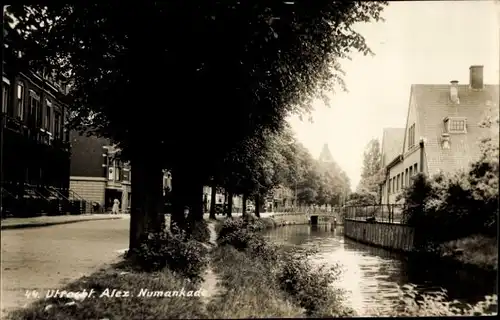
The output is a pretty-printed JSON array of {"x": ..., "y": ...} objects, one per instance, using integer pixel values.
[{"x": 370, "y": 275}]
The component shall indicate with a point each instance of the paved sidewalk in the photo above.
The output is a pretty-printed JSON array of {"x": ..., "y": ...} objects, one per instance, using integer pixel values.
[{"x": 18, "y": 223}]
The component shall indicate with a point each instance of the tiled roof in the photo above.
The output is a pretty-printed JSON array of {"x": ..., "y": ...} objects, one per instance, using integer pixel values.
[
  {"x": 392, "y": 144},
  {"x": 433, "y": 104}
]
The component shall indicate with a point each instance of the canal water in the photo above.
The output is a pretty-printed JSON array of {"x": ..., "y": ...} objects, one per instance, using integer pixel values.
[{"x": 370, "y": 276}]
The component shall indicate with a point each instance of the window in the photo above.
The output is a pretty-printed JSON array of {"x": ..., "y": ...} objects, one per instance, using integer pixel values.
[
  {"x": 48, "y": 111},
  {"x": 57, "y": 125},
  {"x": 456, "y": 125},
  {"x": 411, "y": 136},
  {"x": 6, "y": 105},
  {"x": 389, "y": 187},
  {"x": 39, "y": 115},
  {"x": 35, "y": 110},
  {"x": 20, "y": 100},
  {"x": 415, "y": 169},
  {"x": 117, "y": 174},
  {"x": 411, "y": 173},
  {"x": 393, "y": 184},
  {"x": 397, "y": 183}
]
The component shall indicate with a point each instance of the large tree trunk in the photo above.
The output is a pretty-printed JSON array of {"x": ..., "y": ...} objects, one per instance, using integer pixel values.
[
  {"x": 187, "y": 191},
  {"x": 146, "y": 204},
  {"x": 213, "y": 199},
  {"x": 229, "y": 204},
  {"x": 179, "y": 201},
  {"x": 257, "y": 205},
  {"x": 195, "y": 203},
  {"x": 244, "y": 206}
]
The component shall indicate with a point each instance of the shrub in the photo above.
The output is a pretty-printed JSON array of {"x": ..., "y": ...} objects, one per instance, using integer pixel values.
[
  {"x": 174, "y": 250},
  {"x": 268, "y": 223},
  {"x": 414, "y": 304},
  {"x": 310, "y": 286},
  {"x": 239, "y": 232},
  {"x": 475, "y": 250},
  {"x": 198, "y": 230},
  {"x": 448, "y": 207}
]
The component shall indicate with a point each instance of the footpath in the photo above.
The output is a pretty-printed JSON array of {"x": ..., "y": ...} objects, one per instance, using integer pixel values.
[
  {"x": 44, "y": 221},
  {"x": 209, "y": 286}
]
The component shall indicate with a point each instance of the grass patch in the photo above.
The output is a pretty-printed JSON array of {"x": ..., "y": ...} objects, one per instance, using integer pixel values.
[
  {"x": 122, "y": 278},
  {"x": 248, "y": 288},
  {"x": 476, "y": 250}
]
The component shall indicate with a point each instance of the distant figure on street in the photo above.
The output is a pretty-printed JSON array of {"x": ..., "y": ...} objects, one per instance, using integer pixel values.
[
  {"x": 95, "y": 206},
  {"x": 205, "y": 203},
  {"x": 116, "y": 207}
]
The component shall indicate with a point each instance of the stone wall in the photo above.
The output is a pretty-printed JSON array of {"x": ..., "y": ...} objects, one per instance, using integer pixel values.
[{"x": 386, "y": 235}]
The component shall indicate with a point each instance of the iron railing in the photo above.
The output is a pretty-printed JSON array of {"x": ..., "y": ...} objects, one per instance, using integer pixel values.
[
  {"x": 391, "y": 213},
  {"x": 41, "y": 200}
]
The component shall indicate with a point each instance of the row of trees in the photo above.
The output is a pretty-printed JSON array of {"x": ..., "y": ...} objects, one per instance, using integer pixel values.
[
  {"x": 165, "y": 75},
  {"x": 280, "y": 161}
]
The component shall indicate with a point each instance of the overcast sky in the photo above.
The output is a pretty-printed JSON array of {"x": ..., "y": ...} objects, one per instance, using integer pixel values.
[{"x": 419, "y": 42}]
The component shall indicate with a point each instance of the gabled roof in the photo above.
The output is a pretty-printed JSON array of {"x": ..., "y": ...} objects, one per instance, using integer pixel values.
[
  {"x": 433, "y": 104},
  {"x": 392, "y": 144}
]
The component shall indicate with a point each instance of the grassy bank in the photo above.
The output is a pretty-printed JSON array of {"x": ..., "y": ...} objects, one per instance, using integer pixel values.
[
  {"x": 477, "y": 250},
  {"x": 247, "y": 289},
  {"x": 132, "y": 305}
]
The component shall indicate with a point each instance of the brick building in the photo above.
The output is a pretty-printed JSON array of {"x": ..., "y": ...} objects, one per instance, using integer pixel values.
[
  {"x": 97, "y": 175},
  {"x": 442, "y": 131},
  {"x": 34, "y": 149}
]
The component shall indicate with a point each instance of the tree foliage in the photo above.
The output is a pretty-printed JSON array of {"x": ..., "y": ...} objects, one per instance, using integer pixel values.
[
  {"x": 372, "y": 175},
  {"x": 195, "y": 76}
]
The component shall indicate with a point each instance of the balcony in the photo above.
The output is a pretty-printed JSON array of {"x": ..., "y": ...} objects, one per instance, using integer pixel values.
[{"x": 13, "y": 124}]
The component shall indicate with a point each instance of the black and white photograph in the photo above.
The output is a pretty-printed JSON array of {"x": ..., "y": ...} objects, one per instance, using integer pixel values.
[{"x": 249, "y": 159}]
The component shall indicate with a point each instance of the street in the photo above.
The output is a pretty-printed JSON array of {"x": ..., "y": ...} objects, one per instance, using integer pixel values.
[{"x": 49, "y": 257}]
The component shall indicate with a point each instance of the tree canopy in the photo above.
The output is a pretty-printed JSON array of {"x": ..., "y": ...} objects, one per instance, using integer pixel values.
[
  {"x": 192, "y": 79},
  {"x": 368, "y": 189}
]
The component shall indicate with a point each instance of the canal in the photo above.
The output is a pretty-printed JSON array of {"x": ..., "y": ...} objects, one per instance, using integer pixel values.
[{"x": 370, "y": 276}]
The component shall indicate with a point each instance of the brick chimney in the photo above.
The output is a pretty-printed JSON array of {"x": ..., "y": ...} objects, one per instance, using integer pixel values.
[
  {"x": 454, "y": 92},
  {"x": 476, "y": 77}
]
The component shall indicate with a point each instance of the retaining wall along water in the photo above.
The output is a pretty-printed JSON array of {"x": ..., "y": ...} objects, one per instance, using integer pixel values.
[{"x": 391, "y": 236}]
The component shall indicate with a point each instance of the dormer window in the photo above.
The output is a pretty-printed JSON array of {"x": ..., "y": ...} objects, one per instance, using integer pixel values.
[{"x": 455, "y": 125}]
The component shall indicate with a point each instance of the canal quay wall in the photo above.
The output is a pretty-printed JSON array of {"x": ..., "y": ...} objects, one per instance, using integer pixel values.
[
  {"x": 283, "y": 219},
  {"x": 299, "y": 218},
  {"x": 392, "y": 236}
]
